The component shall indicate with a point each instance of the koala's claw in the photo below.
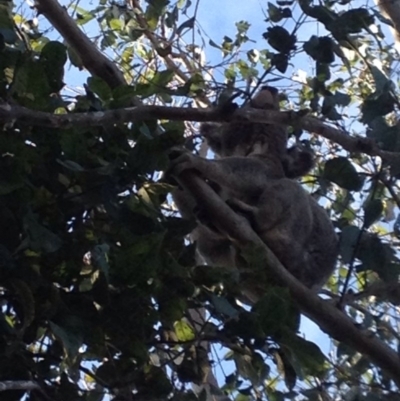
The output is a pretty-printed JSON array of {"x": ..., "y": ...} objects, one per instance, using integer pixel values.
[
  {"x": 181, "y": 160},
  {"x": 175, "y": 152}
]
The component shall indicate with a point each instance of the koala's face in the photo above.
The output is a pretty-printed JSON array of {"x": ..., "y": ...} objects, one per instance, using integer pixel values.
[
  {"x": 228, "y": 139},
  {"x": 242, "y": 138},
  {"x": 237, "y": 138},
  {"x": 266, "y": 99}
]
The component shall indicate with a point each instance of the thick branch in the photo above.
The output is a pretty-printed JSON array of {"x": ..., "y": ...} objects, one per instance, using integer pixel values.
[
  {"x": 391, "y": 10},
  {"x": 330, "y": 319},
  {"x": 9, "y": 114},
  {"x": 93, "y": 60},
  {"x": 18, "y": 385}
]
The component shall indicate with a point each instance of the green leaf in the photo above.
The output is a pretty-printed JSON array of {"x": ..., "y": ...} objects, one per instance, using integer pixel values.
[
  {"x": 184, "y": 331},
  {"x": 251, "y": 367},
  {"x": 31, "y": 83},
  {"x": 348, "y": 240},
  {"x": 154, "y": 11},
  {"x": 285, "y": 368},
  {"x": 40, "y": 238},
  {"x": 382, "y": 81},
  {"x": 274, "y": 12},
  {"x": 276, "y": 311},
  {"x": 213, "y": 44},
  {"x": 83, "y": 16},
  {"x": 340, "y": 171},
  {"x": 122, "y": 96},
  {"x": 372, "y": 211},
  {"x": 223, "y": 306},
  {"x": 70, "y": 336},
  {"x": 8, "y": 35},
  {"x": 100, "y": 88},
  {"x": 378, "y": 257},
  {"x": 305, "y": 356},
  {"x": 53, "y": 58},
  {"x": 100, "y": 259},
  {"x": 75, "y": 58},
  {"x": 162, "y": 78},
  {"x": 387, "y": 138},
  {"x": 116, "y": 24},
  {"x": 71, "y": 165}
]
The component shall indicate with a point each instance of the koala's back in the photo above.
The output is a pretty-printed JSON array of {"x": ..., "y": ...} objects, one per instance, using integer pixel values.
[
  {"x": 298, "y": 231},
  {"x": 322, "y": 248}
]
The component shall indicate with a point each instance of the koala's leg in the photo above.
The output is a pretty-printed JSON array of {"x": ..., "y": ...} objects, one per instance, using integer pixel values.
[
  {"x": 185, "y": 203},
  {"x": 244, "y": 209},
  {"x": 283, "y": 219},
  {"x": 215, "y": 249}
]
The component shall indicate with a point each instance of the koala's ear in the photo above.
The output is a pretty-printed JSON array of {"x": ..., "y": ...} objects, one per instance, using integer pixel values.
[
  {"x": 212, "y": 134},
  {"x": 299, "y": 161}
]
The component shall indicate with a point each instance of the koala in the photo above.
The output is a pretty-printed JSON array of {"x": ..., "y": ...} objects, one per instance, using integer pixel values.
[
  {"x": 253, "y": 174},
  {"x": 244, "y": 138},
  {"x": 237, "y": 138},
  {"x": 288, "y": 220}
]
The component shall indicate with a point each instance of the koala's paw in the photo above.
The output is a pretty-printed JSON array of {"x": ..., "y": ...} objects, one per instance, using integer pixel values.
[
  {"x": 175, "y": 152},
  {"x": 243, "y": 209},
  {"x": 181, "y": 160}
]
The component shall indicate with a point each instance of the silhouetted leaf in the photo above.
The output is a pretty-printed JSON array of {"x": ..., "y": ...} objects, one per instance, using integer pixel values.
[
  {"x": 70, "y": 336},
  {"x": 377, "y": 105},
  {"x": 349, "y": 239},
  {"x": 340, "y": 171},
  {"x": 280, "y": 39},
  {"x": 372, "y": 211},
  {"x": 285, "y": 368},
  {"x": 222, "y": 306},
  {"x": 320, "y": 49},
  {"x": 188, "y": 24},
  {"x": 39, "y": 237},
  {"x": 305, "y": 355}
]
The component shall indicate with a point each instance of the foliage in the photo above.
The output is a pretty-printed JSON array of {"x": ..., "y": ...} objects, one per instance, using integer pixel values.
[{"x": 96, "y": 276}]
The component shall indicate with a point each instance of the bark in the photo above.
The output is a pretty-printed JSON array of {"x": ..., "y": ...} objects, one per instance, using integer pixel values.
[
  {"x": 11, "y": 113},
  {"x": 391, "y": 10}
]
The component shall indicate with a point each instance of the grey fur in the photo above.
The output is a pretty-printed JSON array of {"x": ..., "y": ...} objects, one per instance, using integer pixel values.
[{"x": 252, "y": 174}]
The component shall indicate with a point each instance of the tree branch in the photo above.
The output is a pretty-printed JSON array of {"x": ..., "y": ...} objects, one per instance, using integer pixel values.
[
  {"x": 154, "y": 41},
  {"x": 157, "y": 46},
  {"x": 19, "y": 385},
  {"x": 95, "y": 61},
  {"x": 11, "y": 113},
  {"x": 330, "y": 319},
  {"x": 391, "y": 10}
]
